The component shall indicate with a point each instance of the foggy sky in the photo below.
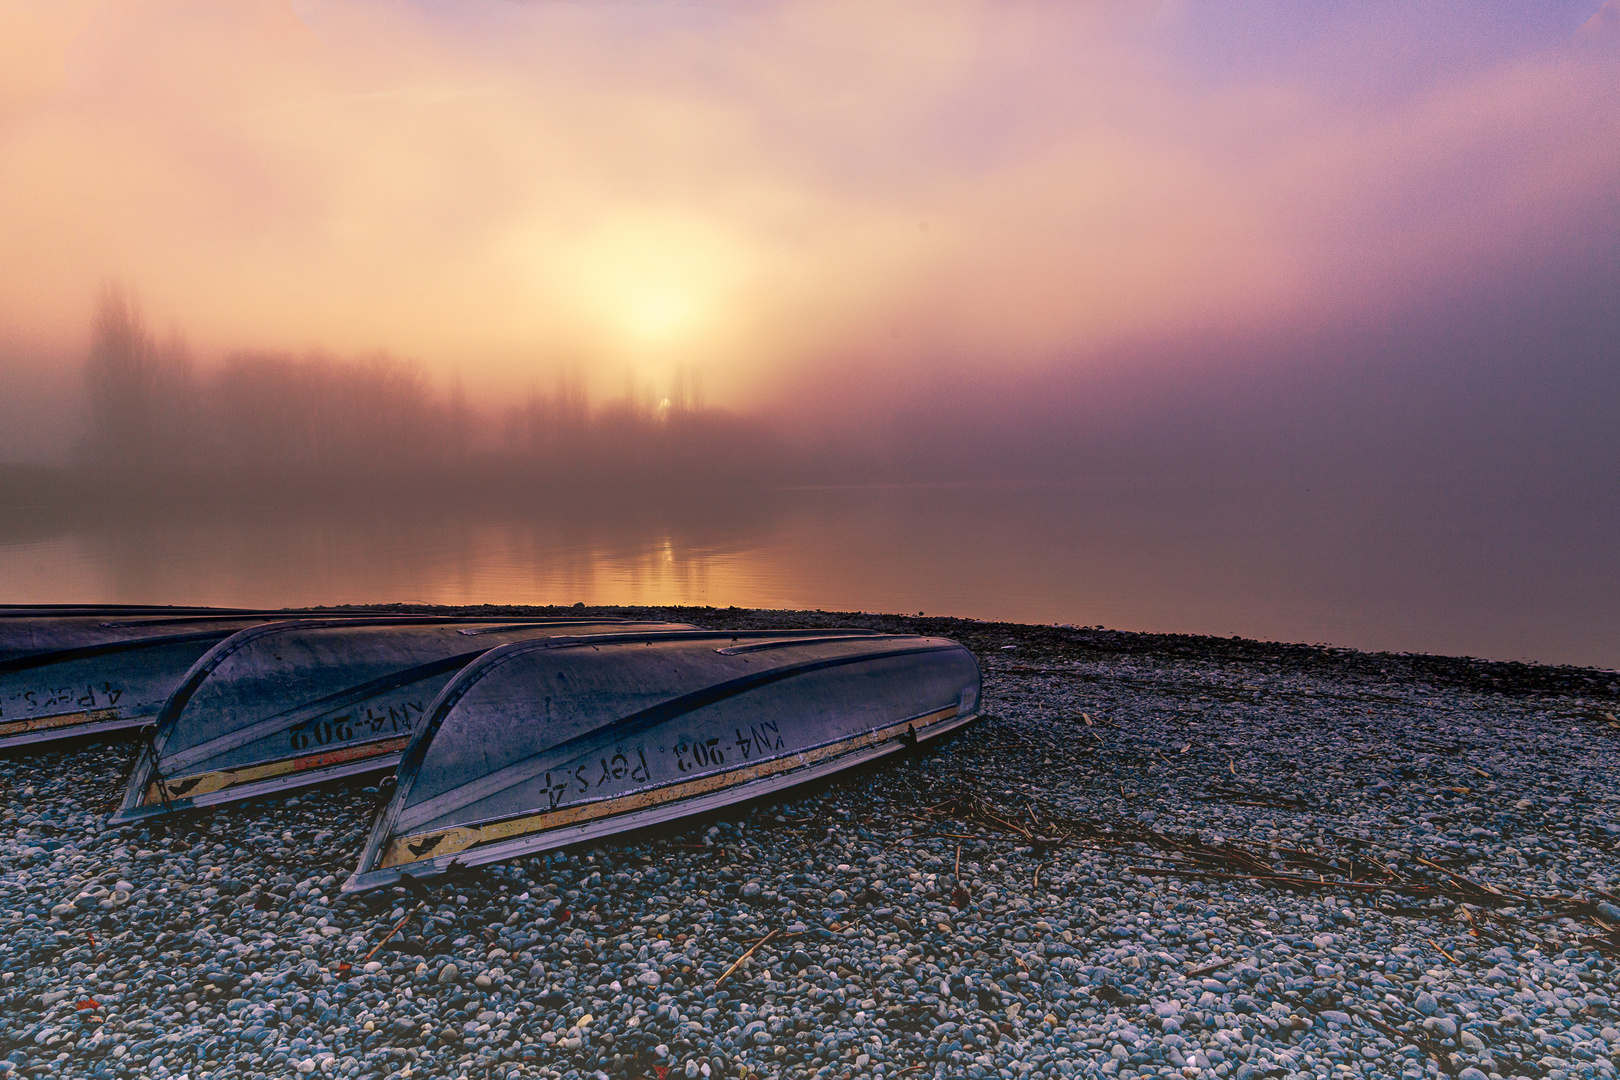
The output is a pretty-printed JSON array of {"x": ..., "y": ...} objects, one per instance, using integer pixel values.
[{"x": 1055, "y": 237}]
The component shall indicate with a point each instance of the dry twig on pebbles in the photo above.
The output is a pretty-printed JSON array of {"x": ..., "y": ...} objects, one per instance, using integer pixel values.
[
  {"x": 1436, "y": 947},
  {"x": 721, "y": 981},
  {"x": 1200, "y": 972},
  {"x": 1417, "y": 1039},
  {"x": 420, "y": 904}
]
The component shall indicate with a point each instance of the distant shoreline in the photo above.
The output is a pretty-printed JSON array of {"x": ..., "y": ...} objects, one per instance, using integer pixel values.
[{"x": 1513, "y": 677}]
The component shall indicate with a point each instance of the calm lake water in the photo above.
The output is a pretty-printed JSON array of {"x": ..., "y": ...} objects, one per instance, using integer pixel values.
[{"x": 1422, "y": 571}]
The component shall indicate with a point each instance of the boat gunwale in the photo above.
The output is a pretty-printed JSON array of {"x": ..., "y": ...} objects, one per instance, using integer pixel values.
[
  {"x": 258, "y": 787},
  {"x": 83, "y": 728}
]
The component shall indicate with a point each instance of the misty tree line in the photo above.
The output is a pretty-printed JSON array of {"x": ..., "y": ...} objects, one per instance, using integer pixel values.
[{"x": 152, "y": 412}]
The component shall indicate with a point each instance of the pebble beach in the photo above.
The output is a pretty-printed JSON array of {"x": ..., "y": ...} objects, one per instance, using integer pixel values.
[{"x": 1152, "y": 856}]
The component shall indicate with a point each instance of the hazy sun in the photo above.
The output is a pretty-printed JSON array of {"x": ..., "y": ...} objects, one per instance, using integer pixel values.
[
  {"x": 657, "y": 314},
  {"x": 646, "y": 285}
]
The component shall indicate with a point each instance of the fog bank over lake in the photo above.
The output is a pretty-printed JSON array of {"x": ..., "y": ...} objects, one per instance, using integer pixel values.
[{"x": 1313, "y": 564}]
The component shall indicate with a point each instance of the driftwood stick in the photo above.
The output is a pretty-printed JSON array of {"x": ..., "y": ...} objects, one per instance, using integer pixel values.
[
  {"x": 1200, "y": 972},
  {"x": 1463, "y": 878},
  {"x": 722, "y": 979},
  {"x": 1284, "y": 880},
  {"x": 420, "y": 904},
  {"x": 1421, "y": 1042}
]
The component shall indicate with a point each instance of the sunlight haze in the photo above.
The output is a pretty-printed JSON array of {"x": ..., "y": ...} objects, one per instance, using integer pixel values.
[{"x": 767, "y": 192}]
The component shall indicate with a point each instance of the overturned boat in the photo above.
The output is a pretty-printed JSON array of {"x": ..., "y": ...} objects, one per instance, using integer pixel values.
[
  {"x": 108, "y": 611},
  {"x": 74, "y": 670},
  {"x": 542, "y": 744},
  {"x": 292, "y": 704}
]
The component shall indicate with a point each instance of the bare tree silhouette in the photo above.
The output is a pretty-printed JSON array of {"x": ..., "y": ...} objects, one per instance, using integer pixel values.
[
  {"x": 141, "y": 392},
  {"x": 263, "y": 421}
]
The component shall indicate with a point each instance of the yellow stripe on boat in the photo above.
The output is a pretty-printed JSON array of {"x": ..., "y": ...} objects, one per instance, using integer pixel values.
[
  {"x": 59, "y": 720},
  {"x": 181, "y": 787}
]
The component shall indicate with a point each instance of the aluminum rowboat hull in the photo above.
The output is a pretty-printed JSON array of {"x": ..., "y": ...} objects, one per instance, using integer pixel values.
[
  {"x": 539, "y": 745},
  {"x": 72, "y": 671},
  {"x": 292, "y": 704}
]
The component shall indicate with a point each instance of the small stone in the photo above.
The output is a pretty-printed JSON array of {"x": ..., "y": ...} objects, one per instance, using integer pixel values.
[
  {"x": 1471, "y": 1073},
  {"x": 1443, "y": 1026},
  {"x": 483, "y": 982},
  {"x": 1470, "y": 1042},
  {"x": 448, "y": 974},
  {"x": 1426, "y": 1004}
]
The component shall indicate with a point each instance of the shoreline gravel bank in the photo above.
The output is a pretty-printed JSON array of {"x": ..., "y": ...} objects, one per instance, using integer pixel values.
[{"x": 1155, "y": 855}]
